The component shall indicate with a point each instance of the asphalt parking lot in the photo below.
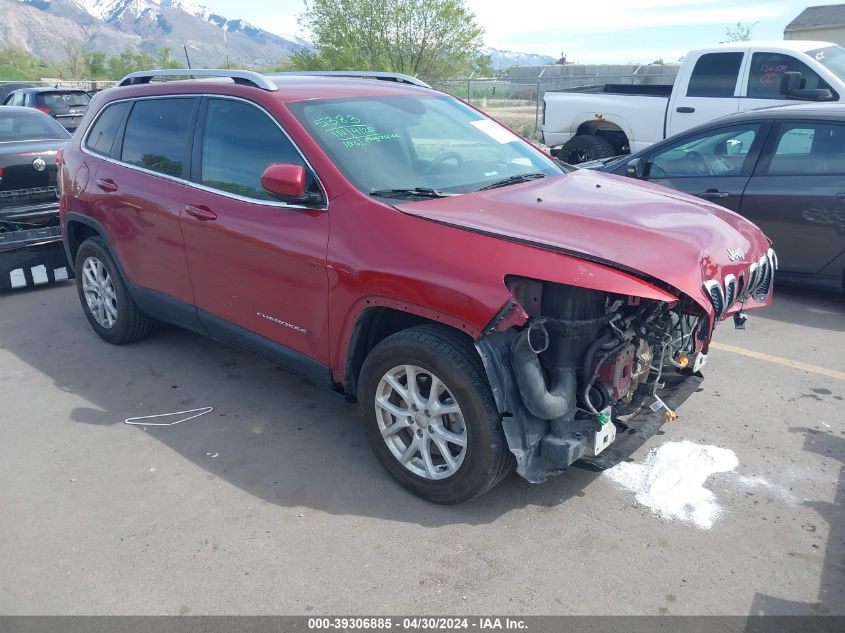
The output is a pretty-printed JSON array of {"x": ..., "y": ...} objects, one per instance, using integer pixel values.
[{"x": 273, "y": 504}]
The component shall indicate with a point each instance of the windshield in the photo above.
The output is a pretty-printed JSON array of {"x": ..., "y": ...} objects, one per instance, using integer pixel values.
[
  {"x": 28, "y": 126},
  {"x": 62, "y": 99},
  {"x": 433, "y": 145},
  {"x": 832, "y": 58}
]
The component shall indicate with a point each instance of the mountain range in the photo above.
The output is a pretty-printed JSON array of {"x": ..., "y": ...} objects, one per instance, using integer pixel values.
[
  {"x": 48, "y": 28},
  {"x": 45, "y": 28},
  {"x": 501, "y": 59}
]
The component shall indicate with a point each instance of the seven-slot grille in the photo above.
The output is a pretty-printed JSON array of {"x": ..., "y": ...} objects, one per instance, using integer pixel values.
[{"x": 756, "y": 282}]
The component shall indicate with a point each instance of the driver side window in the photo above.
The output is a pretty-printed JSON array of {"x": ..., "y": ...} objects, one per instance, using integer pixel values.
[
  {"x": 239, "y": 142},
  {"x": 767, "y": 70},
  {"x": 720, "y": 152}
]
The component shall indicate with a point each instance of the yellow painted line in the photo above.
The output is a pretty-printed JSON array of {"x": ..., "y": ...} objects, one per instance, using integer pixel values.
[{"x": 780, "y": 360}]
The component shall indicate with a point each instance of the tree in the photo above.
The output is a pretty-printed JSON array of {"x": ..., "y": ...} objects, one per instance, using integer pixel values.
[
  {"x": 482, "y": 65},
  {"x": 165, "y": 59},
  {"x": 428, "y": 38},
  {"x": 741, "y": 33},
  {"x": 75, "y": 59},
  {"x": 95, "y": 65}
]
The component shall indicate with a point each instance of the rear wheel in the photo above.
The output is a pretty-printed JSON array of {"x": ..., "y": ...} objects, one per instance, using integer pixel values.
[
  {"x": 105, "y": 298},
  {"x": 585, "y": 147},
  {"x": 429, "y": 415}
]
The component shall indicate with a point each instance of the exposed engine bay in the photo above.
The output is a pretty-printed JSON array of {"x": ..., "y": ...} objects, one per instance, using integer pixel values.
[{"x": 583, "y": 362}]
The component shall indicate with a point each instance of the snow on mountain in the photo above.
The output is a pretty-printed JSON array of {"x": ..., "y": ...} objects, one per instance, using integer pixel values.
[
  {"x": 505, "y": 59},
  {"x": 150, "y": 25}
]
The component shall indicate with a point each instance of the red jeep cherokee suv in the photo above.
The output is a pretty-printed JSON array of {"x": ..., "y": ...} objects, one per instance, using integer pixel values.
[{"x": 488, "y": 307}]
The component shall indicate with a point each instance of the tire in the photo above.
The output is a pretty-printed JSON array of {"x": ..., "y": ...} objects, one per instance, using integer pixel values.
[
  {"x": 118, "y": 320},
  {"x": 585, "y": 147},
  {"x": 483, "y": 461}
]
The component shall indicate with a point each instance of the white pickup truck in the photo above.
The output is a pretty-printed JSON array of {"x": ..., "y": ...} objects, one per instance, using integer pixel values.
[{"x": 712, "y": 82}]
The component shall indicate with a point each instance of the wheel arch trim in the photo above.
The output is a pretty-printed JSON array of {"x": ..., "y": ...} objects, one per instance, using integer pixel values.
[
  {"x": 75, "y": 217},
  {"x": 354, "y": 333}
]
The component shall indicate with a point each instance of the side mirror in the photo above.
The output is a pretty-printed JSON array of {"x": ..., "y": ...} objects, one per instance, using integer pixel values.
[
  {"x": 285, "y": 180},
  {"x": 791, "y": 85},
  {"x": 812, "y": 94},
  {"x": 636, "y": 168}
]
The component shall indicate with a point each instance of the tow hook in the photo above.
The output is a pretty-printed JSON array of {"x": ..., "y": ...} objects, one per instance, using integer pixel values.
[
  {"x": 739, "y": 320},
  {"x": 669, "y": 415}
]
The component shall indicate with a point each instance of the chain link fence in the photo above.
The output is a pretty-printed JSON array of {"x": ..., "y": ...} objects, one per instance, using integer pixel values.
[
  {"x": 517, "y": 101},
  {"x": 82, "y": 84}
]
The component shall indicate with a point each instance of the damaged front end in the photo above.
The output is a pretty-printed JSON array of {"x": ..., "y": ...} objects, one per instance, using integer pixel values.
[{"x": 567, "y": 364}]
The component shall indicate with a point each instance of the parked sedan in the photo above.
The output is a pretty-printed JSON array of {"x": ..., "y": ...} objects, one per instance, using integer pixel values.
[
  {"x": 67, "y": 106},
  {"x": 783, "y": 168},
  {"x": 31, "y": 250}
]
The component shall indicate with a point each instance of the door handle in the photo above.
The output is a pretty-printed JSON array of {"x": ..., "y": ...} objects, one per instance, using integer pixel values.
[
  {"x": 106, "y": 184},
  {"x": 713, "y": 194},
  {"x": 200, "y": 212},
  {"x": 685, "y": 110}
]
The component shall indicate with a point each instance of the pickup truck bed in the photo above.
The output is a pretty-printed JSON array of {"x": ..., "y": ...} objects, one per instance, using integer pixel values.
[{"x": 626, "y": 89}]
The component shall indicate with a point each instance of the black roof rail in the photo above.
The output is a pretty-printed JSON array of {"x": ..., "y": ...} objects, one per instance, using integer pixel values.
[
  {"x": 359, "y": 74},
  {"x": 243, "y": 77}
]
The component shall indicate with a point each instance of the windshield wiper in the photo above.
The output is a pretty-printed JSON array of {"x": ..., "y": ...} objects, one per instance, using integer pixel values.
[
  {"x": 419, "y": 192},
  {"x": 512, "y": 180}
]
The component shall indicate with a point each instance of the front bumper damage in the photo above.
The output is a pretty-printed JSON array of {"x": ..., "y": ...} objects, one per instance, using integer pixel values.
[{"x": 544, "y": 448}]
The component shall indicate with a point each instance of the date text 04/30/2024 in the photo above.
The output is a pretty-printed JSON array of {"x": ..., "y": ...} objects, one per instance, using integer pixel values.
[{"x": 415, "y": 623}]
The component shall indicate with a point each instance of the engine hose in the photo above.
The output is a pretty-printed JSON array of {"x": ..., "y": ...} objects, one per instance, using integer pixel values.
[
  {"x": 588, "y": 373},
  {"x": 544, "y": 402}
]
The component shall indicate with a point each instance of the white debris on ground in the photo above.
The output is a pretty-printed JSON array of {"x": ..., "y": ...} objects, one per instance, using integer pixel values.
[
  {"x": 670, "y": 481},
  {"x": 759, "y": 482}
]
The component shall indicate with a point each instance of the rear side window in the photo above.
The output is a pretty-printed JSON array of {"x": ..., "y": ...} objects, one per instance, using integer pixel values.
[
  {"x": 715, "y": 75},
  {"x": 29, "y": 125},
  {"x": 102, "y": 133},
  {"x": 235, "y": 156},
  {"x": 811, "y": 149},
  {"x": 767, "y": 71},
  {"x": 156, "y": 135}
]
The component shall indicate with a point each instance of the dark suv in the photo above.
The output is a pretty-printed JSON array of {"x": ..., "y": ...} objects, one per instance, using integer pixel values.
[
  {"x": 488, "y": 307},
  {"x": 67, "y": 106}
]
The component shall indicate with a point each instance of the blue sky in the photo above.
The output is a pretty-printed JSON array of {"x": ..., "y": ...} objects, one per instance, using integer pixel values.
[{"x": 603, "y": 31}]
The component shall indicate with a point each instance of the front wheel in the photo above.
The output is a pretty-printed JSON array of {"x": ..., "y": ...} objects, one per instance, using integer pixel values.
[{"x": 429, "y": 415}]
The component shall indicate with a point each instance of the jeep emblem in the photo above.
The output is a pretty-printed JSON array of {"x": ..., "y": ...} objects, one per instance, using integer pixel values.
[{"x": 736, "y": 253}]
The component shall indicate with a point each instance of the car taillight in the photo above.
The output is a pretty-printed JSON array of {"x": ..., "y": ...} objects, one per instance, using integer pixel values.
[
  {"x": 59, "y": 154},
  {"x": 1, "y": 174},
  {"x": 44, "y": 110}
]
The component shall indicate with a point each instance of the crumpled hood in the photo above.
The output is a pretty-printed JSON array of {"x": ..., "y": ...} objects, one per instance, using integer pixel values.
[{"x": 644, "y": 228}]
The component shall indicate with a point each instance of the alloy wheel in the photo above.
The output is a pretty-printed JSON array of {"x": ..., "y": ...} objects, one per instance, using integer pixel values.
[
  {"x": 99, "y": 291},
  {"x": 421, "y": 422}
]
